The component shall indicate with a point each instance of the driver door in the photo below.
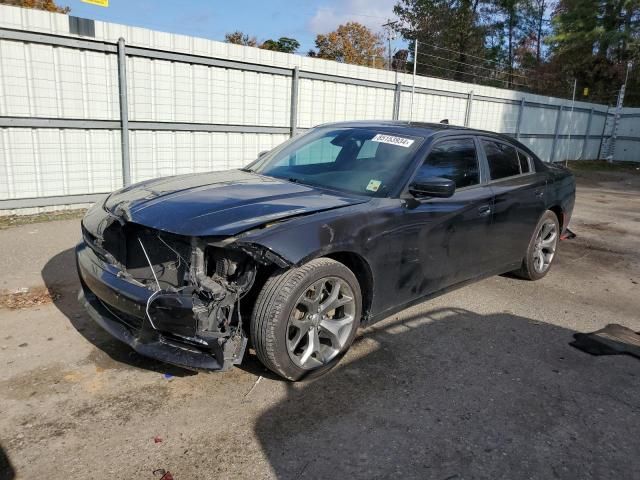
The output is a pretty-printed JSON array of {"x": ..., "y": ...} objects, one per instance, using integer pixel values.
[{"x": 447, "y": 238}]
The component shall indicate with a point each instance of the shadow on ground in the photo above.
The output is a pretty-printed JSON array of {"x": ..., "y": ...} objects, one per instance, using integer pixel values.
[
  {"x": 453, "y": 394},
  {"x": 59, "y": 275},
  {"x": 7, "y": 471}
]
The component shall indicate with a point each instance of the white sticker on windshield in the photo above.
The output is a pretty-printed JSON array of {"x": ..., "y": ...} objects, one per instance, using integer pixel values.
[
  {"x": 390, "y": 139},
  {"x": 374, "y": 185}
]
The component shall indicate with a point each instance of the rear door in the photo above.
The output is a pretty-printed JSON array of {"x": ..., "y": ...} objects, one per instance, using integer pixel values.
[
  {"x": 518, "y": 199},
  {"x": 444, "y": 237}
]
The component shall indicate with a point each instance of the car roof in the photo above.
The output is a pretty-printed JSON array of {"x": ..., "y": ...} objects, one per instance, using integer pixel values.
[{"x": 420, "y": 129}]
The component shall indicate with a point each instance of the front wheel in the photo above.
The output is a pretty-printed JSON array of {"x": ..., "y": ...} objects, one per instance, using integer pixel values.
[
  {"x": 305, "y": 318},
  {"x": 542, "y": 248}
]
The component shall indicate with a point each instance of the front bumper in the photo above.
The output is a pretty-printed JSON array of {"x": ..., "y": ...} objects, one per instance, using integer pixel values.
[{"x": 167, "y": 334}]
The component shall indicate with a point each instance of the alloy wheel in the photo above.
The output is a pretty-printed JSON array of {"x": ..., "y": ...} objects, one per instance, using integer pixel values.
[
  {"x": 320, "y": 323},
  {"x": 545, "y": 247}
]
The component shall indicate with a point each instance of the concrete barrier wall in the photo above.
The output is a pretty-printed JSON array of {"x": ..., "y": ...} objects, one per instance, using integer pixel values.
[{"x": 193, "y": 104}]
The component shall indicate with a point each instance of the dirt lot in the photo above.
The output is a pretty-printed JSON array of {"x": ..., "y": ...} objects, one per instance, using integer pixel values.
[{"x": 479, "y": 383}]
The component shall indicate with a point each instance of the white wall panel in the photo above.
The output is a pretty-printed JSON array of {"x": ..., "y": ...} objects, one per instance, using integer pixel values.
[
  {"x": 322, "y": 102},
  {"x": 629, "y": 126},
  {"x": 159, "y": 154},
  {"x": 44, "y": 81},
  {"x": 52, "y": 162},
  {"x": 627, "y": 151},
  {"x": 573, "y": 123},
  {"x": 568, "y": 149},
  {"x": 539, "y": 120},
  {"x": 178, "y": 92},
  {"x": 498, "y": 117},
  {"x": 597, "y": 124},
  {"x": 540, "y": 146},
  {"x": 593, "y": 147}
]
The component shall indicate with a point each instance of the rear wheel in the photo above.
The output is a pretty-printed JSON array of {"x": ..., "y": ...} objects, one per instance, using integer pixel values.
[
  {"x": 542, "y": 248},
  {"x": 305, "y": 318}
]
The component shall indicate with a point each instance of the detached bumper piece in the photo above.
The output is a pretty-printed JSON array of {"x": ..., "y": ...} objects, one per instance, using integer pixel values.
[
  {"x": 165, "y": 328},
  {"x": 611, "y": 340}
]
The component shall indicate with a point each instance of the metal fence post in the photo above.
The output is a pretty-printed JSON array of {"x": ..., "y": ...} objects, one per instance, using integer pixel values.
[
  {"x": 520, "y": 115},
  {"x": 556, "y": 134},
  {"x": 467, "y": 113},
  {"x": 396, "y": 101},
  {"x": 586, "y": 135},
  {"x": 124, "y": 113},
  {"x": 604, "y": 129},
  {"x": 293, "y": 120}
]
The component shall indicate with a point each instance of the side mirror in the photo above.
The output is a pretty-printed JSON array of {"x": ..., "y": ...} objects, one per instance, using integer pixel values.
[
  {"x": 263, "y": 153},
  {"x": 432, "y": 187}
]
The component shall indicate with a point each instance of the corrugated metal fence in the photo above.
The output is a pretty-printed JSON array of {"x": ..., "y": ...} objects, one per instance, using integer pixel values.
[{"x": 81, "y": 116}]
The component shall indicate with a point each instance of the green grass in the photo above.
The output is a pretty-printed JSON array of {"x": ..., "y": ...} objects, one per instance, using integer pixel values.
[
  {"x": 603, "y": 166},
  {"x": 9, "y": 221}
]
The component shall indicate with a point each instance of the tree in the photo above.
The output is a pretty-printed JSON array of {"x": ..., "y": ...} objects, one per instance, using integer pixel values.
[
  {"x": 399, "y": 61},
  {"x": 47, "y": 5},
  {"x": 592, "y": 41},
  {"x": 350, "y": 43},
  {"x": 512, "y": 24},
  {"x": 538, "y": 11},
  {"x": 283, "y": 44},
  {"x": 239, "y": 38},
  {"x": 451, "y": 35}
]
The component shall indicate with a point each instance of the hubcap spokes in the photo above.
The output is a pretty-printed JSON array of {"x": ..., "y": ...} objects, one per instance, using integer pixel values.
[
  {"x": 545, "y": 246},
  {"x": 320, "y": 323}
]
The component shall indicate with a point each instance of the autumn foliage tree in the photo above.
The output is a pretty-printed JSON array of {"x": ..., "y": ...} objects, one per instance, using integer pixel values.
[
  {"x": 350, "y": 43},
  {"x": 47, "y": 5},
  {"x": 283, "y": 44},
  {"x": 239, "y": 38}
]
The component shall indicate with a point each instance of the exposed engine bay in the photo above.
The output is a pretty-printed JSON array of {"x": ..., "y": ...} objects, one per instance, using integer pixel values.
[{"x": 195, "y": 285}]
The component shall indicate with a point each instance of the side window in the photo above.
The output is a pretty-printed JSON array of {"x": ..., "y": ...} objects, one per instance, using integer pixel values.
[
  {"x": 524, "y": 162},
  {"x": 503, "y": 159},
  {"x": 455, "y": 160}
]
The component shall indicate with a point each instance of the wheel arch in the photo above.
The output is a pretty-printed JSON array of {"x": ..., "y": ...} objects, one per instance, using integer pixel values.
[
  {"x": 557, "y": 209},
  {"x": 362, "y": 270}
]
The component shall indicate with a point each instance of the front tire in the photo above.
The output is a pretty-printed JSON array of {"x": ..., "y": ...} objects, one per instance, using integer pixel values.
[
  {"x": 305, "y": 318},
  {"x": 542, "y": 248}
]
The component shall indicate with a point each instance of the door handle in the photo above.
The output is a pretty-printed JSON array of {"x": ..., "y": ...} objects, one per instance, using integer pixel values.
[
  {"x": 484, "y": 210},
  {"x": 539, "y": 193}
]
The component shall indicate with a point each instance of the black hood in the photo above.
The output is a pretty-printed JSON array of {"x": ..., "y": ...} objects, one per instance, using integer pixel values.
[{"x": 219, "y": 203}]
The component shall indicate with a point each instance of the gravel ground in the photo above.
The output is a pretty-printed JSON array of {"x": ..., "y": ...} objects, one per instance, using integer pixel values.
[{"x": 479, "y": 383}]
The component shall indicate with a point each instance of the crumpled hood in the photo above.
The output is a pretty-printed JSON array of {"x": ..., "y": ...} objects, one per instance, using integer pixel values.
[{"x": 219, "y": 203}]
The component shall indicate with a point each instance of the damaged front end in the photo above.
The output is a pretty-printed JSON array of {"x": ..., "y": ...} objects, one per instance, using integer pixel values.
[{"x": 173, "y": 298}]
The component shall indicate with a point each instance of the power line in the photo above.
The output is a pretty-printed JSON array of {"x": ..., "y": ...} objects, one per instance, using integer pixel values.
[
  {"x": 469, "y": 64},
  {"x": 475, "y": 75},
  {"x": 469, "y": 55}
]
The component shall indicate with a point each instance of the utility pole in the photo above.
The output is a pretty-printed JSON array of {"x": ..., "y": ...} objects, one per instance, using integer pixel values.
[
  {"x": 389, "y": 29},
  {"x": 573, "y": 102}
]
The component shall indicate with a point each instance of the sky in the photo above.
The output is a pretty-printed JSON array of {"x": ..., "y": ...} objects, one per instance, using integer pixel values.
[{"x": 299, "y": 19}]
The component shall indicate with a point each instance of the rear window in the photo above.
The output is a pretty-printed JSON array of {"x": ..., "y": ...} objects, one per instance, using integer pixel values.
[{"x": 503, "y": 159}]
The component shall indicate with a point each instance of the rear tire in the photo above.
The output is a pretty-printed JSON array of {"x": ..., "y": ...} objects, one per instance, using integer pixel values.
[
  {"x": 305, "y": 318},
  {"x": 542, "y": 248}
]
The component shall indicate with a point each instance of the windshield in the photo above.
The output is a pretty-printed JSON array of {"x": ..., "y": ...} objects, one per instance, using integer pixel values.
[{"x": 356, "y": 160}]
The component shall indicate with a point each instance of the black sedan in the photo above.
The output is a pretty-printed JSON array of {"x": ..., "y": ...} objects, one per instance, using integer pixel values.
[{"x": 341, "y": 226}]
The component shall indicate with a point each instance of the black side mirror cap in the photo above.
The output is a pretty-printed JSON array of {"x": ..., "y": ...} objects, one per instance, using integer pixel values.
[{"x": 432, "y": 187}]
